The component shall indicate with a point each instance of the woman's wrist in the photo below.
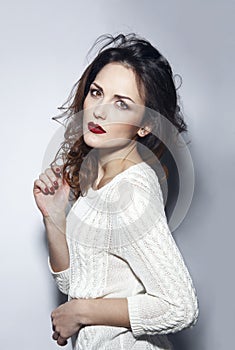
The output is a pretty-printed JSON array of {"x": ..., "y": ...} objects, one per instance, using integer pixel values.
[
  {"x": 57, "y": 221},
  {"x": 82, "y": 310},
  {"x": 103, "y": 311},
  {"x": 58, "y": 216}
]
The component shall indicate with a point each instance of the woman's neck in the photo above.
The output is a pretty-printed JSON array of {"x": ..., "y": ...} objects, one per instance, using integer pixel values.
[{"x": 113, "y": 163}]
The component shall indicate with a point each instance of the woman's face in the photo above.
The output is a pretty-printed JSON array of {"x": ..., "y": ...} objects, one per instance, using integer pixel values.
[{"x": 113, "y": 108}]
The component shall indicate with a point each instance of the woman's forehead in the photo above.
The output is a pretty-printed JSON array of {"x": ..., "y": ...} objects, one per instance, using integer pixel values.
[{"x": 118, "y": 79}]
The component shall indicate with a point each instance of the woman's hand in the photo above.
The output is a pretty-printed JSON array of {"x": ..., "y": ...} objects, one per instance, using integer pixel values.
[
  {"x": 51, "y": 195},
  {"x": 66, "y": 320},
  {"x": 51, "y": 192}
]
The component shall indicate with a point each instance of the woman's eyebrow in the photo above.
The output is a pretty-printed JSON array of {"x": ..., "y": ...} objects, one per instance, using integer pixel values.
[{"x": 118, "y": 96}]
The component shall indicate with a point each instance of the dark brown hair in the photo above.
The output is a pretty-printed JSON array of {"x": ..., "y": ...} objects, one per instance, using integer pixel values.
[{"x": 154, "y": 78}]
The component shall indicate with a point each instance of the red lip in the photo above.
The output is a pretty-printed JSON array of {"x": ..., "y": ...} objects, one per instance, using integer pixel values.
[{"x": 95, "y": 128}]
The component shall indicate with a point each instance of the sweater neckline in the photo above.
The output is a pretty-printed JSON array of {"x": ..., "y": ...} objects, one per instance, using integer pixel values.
[{"x": 117, "y": 176}]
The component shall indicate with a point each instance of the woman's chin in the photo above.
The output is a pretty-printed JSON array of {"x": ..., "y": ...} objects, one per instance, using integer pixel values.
[{"x": 91, "y": 140}]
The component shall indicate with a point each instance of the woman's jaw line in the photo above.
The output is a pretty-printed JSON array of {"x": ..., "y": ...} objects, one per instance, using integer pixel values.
[{"x": 111, "y": 155}]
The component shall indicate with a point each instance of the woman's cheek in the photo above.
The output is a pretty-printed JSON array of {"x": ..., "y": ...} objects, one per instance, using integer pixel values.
[{"x": 127, "y": 131}]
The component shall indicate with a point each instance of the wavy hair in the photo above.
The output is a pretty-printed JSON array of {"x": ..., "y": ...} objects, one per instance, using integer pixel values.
[{"x": 155, "y": 82}]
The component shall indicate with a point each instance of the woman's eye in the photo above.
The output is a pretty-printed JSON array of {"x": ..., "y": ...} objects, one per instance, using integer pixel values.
[
  {"x": 122, "y": 105},
  {"x": 95, "y": 92}
]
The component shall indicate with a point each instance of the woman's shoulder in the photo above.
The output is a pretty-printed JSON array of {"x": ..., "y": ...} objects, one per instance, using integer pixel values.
[
  {"x": 135, "y": 203},
  {"x": 136, "y": 181},
  {"x": 141, "y": 175}
]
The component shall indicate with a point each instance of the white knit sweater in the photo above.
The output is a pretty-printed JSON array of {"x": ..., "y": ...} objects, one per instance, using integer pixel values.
[{"x": 121, "y": 247}]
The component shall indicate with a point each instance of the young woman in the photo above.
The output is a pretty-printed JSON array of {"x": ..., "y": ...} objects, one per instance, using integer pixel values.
[{"x": 113, "y": 254}]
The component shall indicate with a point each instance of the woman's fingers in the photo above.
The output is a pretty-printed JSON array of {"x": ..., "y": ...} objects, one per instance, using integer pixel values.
[
  {"x": 39, "y": 186},
  {"x": 52, "y": 176},
  {"x": 55, "y": 335},
  {"x": 61, "y": 341},
  {"x": 57, "y": 170},
  {"x": 48, "y": 182}
]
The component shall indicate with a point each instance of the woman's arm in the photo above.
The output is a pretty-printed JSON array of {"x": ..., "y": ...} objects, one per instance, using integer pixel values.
[
  {"x": 68, "y": 318},
  {"x": 170, "y": 302},
  {"x": 57, "y": 244},
  {"x": 87, "y": 312},
  {"x": 51, "y": 196},
  {"x": 106, "y": 311}
]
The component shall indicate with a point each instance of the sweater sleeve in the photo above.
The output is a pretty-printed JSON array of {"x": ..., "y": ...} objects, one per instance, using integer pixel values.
[
  {"x": 170, "y": 302},
  {"x": 61, "y": 278}
]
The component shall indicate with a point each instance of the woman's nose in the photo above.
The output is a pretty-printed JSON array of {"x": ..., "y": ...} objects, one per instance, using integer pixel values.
[{"x": 100, "y": 112}]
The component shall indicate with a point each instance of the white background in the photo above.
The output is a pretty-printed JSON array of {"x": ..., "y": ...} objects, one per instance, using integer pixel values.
[{"x": 43, "y": 53}]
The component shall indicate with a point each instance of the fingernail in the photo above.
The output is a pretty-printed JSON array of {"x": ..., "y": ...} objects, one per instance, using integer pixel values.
[
  {"x": 55, "y": 183},
  {"x": 46, "y": 190},
  {"x": 52, "y": 189}
]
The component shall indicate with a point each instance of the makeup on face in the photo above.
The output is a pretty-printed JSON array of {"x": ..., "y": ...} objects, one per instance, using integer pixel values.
[
  {"x": 112, "y": 108},
  {"x": 95, "y": 128}
]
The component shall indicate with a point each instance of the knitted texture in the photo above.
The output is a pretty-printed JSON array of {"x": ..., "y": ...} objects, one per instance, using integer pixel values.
[{"x": 121, "y": 247}]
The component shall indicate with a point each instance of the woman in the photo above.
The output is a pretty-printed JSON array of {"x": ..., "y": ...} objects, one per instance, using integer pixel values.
[{"x": 113, "y": 254}]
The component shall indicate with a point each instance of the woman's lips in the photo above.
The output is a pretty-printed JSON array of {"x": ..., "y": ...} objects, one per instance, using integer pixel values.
[{"x": 95, "y": 128}]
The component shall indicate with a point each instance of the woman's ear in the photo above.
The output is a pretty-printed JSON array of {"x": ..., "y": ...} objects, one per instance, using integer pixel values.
[{"x": 144, "y": 131}]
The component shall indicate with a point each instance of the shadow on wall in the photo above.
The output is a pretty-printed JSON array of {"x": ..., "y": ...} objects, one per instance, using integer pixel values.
[
  {"x": 61, "y": 298},
  {"x": 186, "y": 339},
  {"x": 172, "y": 183},
  {"x": 181, "y": 342}
]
